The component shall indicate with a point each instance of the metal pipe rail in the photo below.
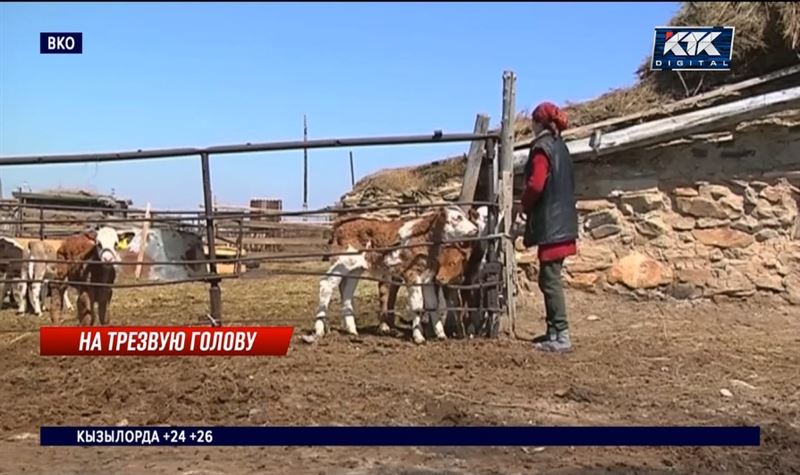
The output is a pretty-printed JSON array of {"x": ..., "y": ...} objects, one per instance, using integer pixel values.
[
  {"x": 95, "y": 209},
  {"x": 211, "y": 277},
  {"x": 234, "y": 215},
  {"x": 250, "y": 321},
  {"x": 248, "y": 212},
  {"x": 257, "y": 258},
  {"x": 100, "y": 220},
  {"x": 355, "y": 209},
  {"x": 379, "y": 280},
  {"x": 436, "y": 137},
  {"x": 122, "y": 285},
  {"x": 452, "y": 309}
]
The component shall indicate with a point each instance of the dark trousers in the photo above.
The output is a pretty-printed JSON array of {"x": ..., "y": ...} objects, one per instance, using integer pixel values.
[{"x": 553, "y": 291}]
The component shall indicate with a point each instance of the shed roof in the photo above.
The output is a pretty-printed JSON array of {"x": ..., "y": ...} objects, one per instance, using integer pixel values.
[{"x": 83, "y": 197}]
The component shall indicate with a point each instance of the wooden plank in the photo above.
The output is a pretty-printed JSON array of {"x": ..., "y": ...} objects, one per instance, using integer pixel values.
[
  {"x": 250, "y": 226},
  {"x": 224, "y": 239},
  {"x": 474, "y": 160},
  {"x": 143, "y": 243},
  {"x": 223, "y": 268},
  {"x": 670, "y": 128},
  {"x": 708, "y": 98},
  {"x": 278, "y": 241}
]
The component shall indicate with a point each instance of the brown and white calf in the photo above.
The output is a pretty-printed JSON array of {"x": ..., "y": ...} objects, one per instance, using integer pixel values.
[
  {"x": 99, "y": 246},
  {"x": 458, "y": 264},
  {"x": 415, "y": 267},
  {"x": 36, "y": 276}
]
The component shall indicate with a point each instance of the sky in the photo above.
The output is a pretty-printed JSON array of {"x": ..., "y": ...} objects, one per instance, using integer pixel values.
[{"x": 169, "y": 75}]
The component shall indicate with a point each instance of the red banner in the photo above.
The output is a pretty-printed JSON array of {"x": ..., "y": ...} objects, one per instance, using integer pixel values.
[{"x": 164, "y": 341}]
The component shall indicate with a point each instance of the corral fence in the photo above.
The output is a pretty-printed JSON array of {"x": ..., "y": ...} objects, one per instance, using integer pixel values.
[
  {"x": 267, "y": 231},
  {"x": 487, "y": 182}
]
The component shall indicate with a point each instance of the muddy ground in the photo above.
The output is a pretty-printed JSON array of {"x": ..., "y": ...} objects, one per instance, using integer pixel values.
[{"x": 636, "y": 363}]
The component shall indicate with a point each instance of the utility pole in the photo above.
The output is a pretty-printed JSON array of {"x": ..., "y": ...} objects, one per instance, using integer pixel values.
[
  {"x": 352, "y": 173},
  {"x": 305, "y": 168}
]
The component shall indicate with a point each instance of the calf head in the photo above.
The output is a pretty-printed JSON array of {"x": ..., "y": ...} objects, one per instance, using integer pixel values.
[
  {"x": 107, "y": 242},
  {"x": 10, "y": 248},
  {"x": 457, "y": 224},
  {"x": 480, "y": 216}
]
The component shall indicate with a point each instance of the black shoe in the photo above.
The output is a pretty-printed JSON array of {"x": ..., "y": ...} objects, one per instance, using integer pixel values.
[{"x": 549, "y": 336}]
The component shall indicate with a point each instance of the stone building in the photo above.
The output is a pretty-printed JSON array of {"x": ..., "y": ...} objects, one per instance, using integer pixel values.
[
  {"x": 687, "y": 182},
  {"x": 706, "y": 212},
  {"x": 705, "y": 215}
]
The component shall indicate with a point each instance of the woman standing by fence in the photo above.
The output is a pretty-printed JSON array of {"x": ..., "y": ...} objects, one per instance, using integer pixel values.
[{"x": 552, "y": 219}]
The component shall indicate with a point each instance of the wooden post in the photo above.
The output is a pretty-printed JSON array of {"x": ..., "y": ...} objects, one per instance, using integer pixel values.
[
  {"x": 214, "y": 292},
  {"x": 305, "y": 167},
  {"x": 352, "y": 172},
  {"x": 143, "y": 242},
  {"x": 474, "y": 161},
  {"x": 239, "y": 244},
  {"x": 488, "y": 323},
  {"x": 506, "y": 168},
  {"x": 20, "y": 212}
]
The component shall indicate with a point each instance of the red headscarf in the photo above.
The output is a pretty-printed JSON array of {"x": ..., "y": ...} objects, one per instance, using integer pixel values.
[{"x": 550, "y": 116}]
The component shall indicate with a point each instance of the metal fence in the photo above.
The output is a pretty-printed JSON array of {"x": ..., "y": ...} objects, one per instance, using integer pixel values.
[{"x": 214, "y": 222}]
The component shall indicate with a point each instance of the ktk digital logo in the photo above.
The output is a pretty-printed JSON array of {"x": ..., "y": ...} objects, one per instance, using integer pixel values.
[
  {"x": 60, "y": 43},
  {"x": 692, "y": 48}
]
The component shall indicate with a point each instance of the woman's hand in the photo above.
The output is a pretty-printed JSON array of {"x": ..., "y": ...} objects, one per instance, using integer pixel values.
[
  {"x": 517, "y": 211},
  {"x": 517, "y": 220}
]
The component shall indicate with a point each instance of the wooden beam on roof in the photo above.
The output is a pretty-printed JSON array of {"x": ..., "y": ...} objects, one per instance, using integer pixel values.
[
  {"x": 671, "y": 128},
  {"x": 727, "y": 91}
]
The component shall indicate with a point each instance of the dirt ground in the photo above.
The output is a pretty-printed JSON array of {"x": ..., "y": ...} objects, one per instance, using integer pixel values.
[{"x": 635, "y": 363}]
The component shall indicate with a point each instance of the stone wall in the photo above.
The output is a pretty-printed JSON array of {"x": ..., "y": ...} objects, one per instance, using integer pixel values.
[{"x": 708, "y": 217}]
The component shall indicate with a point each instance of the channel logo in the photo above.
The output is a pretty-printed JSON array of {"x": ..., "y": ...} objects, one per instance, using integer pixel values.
[{"x": 692, "y": 48}]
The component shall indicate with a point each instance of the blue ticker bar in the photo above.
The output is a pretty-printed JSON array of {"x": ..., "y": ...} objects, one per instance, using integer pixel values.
[{"x": 400, "y": 436}]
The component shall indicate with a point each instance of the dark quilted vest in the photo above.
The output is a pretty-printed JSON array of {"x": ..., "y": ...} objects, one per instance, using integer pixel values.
[{"x": 553, "y": 218}]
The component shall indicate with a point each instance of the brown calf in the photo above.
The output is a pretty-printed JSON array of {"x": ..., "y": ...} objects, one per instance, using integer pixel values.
[{"x": 97, "y": 245}]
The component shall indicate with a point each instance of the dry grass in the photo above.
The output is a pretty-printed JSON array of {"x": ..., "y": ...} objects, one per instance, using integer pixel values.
[
  {"x": 396, "y": 178},
  {"x": 616, "y": 103},
  {"x": 414, "y": 179}
]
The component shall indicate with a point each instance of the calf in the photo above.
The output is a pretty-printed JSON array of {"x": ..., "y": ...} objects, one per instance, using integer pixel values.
[
  {"x": 36, "y": 274},
  {"x": 11, "y": 250},
  {"x": 97, "y": 246},
  {"x": 415, "y": 266},
  {"x": 458, "y": 264}
]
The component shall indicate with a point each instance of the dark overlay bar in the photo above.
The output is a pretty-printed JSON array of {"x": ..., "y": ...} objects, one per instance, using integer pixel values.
[{"x": 401, "y": 436}]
